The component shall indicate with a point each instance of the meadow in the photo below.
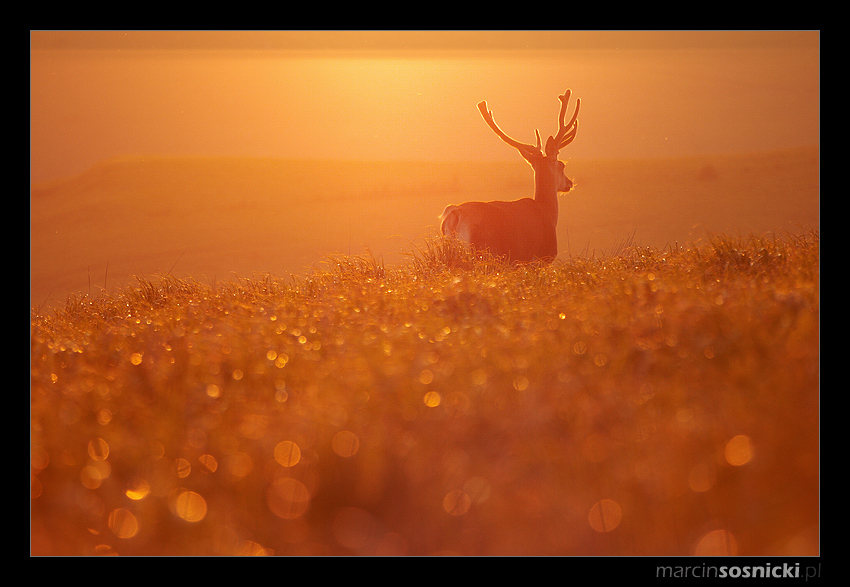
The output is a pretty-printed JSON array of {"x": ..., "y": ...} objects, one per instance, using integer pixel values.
[
  {"x": 652, "y": 400},
  {"x": 210, "y": 218}
]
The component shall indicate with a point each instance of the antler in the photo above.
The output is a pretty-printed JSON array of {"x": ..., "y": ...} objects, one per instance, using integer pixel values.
[
  {"x": 566, "y": 132},
  {"x": 525, "y": 149}
]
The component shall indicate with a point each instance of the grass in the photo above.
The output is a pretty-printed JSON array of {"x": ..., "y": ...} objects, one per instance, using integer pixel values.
[{"x": 649, "y": 402}]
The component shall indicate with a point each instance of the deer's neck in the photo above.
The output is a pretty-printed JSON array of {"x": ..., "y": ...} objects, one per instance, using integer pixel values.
[{"x": 546, "y": 193}]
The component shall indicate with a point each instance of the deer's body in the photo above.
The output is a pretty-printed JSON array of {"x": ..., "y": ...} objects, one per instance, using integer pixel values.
[
  {"x": 500, "y": 228},
  {"x": 522, "y": 230}
]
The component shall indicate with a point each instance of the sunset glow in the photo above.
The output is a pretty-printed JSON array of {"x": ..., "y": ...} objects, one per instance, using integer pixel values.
[{"x": 412, "y": 96}]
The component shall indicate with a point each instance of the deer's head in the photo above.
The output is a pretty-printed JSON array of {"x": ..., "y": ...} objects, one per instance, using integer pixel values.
[{"x": 545, "y": 161}]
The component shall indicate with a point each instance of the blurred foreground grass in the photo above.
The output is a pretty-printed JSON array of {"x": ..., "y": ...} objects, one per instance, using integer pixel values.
[{"x": 652, "y": 402}]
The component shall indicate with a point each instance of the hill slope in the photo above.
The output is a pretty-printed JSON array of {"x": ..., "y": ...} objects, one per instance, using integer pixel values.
[
  {"x": 658, "y": 402},
  {"x": 209, "y": 218}
]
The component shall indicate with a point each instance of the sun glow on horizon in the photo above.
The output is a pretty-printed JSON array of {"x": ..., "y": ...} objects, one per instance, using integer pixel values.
[{"x": 415, "y": 104}]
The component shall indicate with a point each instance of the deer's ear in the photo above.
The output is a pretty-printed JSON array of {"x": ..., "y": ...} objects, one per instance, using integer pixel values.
[{"x": 551, "y": 147}]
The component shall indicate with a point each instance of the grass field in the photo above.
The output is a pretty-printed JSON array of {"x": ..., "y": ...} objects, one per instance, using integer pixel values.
[{"x": 650, "y": 401}]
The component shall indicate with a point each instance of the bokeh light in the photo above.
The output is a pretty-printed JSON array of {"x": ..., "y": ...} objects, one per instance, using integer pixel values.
[
  {"x": 345, "y": 443},
  {"x": 138, "y": 489},
  {"x": 288, "y": 498},
  {"x": 432, "y": 399},
  {"x": 93, "y": 474},
  {"x": 355, "y": 529},
  {"x": 739, "y": 450},
  {"x": 208, "y": 463},
  {"x": 701, "y": 478},
  {"x": 287, "y": 453},
  {"x": 188, "y": 505},
  {"x": 98, "y": 449},
  {"x": 456, "y": 502},
  {"x": 717, "y": 543},
  {"x": 605, "y": 515},
  {"x": 182, "y": 467},
  {"x": 123, "y": 523},
  {"x": 239, "y": 464}
]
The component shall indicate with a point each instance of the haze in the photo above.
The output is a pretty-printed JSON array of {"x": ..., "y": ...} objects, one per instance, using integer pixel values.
[{"x": 412, "y": 95}]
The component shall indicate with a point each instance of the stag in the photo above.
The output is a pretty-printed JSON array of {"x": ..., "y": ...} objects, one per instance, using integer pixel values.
[{"x": 520, "y": 231}]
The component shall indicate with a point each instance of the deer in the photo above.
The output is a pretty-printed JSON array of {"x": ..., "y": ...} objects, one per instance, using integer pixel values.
[{"x": 519, "y": 231}]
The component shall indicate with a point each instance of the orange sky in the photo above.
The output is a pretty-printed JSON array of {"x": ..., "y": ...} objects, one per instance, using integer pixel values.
[{"x": 412, "y": 95}]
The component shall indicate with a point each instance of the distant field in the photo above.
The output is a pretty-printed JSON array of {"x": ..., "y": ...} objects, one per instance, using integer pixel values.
[
  {"x": 209, "y": 218},
  {"x": 656, "y": 401}
]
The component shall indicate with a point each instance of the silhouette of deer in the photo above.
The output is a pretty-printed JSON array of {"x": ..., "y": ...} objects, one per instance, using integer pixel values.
[{"x": 520, "y": 231}]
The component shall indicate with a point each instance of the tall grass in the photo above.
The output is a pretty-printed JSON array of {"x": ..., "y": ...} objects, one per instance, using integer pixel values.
[{"x": 647, "y": 402}]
